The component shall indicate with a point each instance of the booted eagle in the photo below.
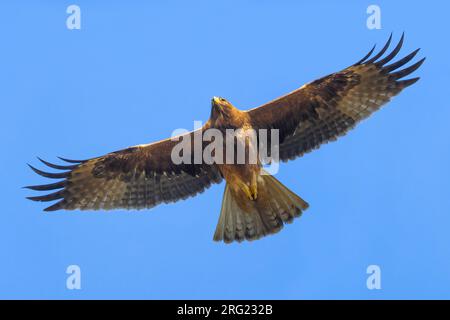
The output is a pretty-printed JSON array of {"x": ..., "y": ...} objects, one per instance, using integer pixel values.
[{"x": 254, "y": 204}]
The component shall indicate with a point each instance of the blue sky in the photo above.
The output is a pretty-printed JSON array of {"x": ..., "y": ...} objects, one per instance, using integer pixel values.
[{"x": 135, "y": 72}]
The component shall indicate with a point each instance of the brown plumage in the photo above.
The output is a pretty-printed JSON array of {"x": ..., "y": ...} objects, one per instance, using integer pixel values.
[{"x": 254, "y": 205}]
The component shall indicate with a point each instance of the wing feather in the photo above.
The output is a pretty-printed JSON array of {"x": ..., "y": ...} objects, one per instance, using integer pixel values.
[
  {"x": 134, "y": 178},
  {"x": 329, "y": 107}
]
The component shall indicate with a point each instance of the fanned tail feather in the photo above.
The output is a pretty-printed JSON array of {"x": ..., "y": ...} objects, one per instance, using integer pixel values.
[{"x": 266, "y": 215}]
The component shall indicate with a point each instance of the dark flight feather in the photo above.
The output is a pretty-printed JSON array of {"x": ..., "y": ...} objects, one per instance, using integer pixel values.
[{"x": 329, "y": 107}]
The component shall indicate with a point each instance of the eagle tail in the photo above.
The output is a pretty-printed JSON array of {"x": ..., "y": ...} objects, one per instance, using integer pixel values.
[{"x": 254, "y": 219}]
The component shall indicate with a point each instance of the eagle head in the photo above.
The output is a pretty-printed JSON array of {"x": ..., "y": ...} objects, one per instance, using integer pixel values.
[{"x": 221, "y": 108}]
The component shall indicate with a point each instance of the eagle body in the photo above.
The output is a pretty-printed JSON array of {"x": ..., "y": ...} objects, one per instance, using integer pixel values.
[
  {"x": 241, "y": 176},
  {"x": 255, "y": 203}
]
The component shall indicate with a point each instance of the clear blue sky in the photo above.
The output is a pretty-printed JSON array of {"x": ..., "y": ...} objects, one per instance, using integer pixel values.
[{"x": 134, "y": 72}]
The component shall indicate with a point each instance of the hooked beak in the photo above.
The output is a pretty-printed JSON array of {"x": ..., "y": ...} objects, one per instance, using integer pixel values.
[{"x": 215, "y": 101}]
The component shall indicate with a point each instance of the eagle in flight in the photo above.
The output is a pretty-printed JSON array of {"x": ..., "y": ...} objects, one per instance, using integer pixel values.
[{"x": 254, "y": 204}]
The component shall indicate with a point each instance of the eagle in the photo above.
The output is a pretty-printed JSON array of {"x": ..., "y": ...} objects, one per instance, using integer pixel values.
[{"x": 255, "y": 204}]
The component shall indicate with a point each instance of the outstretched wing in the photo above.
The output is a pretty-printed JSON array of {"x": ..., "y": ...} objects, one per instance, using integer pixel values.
[
  {"x": 134, "y": 178},
  {"x": 327, "y": 108}
]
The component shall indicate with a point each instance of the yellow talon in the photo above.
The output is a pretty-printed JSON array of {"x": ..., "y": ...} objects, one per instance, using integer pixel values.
[
  {"x": 251, "y": 194},
  {"x": 254, "y": 192},
  {"x": 247, "y": 192}
]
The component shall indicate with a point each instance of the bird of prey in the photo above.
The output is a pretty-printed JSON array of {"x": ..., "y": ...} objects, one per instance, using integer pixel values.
[{"x": 254, "y": 204}]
